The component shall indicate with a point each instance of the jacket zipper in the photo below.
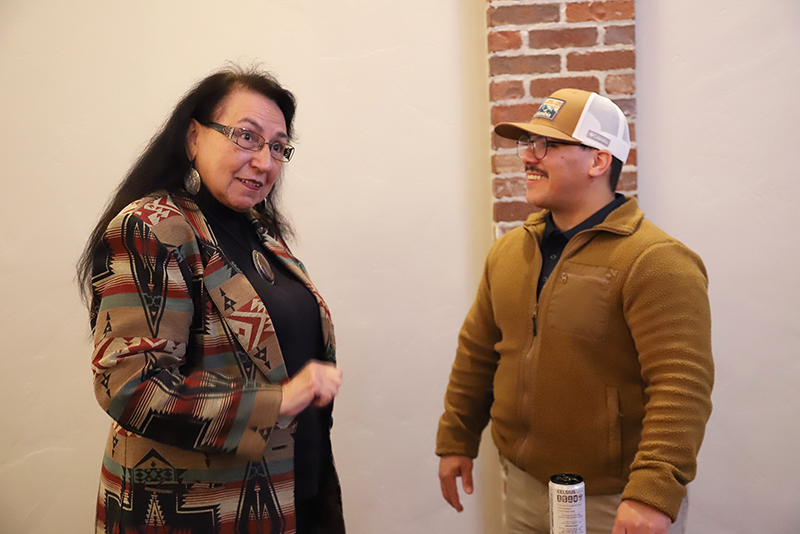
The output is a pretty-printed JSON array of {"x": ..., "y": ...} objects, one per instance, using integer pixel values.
[
  {"x": 567, "y": 276},
  {"x": 565, "y": 254},
  {"x": 529, "y": 355}
]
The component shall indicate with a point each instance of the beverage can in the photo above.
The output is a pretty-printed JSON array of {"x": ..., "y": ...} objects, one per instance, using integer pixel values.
[{"x": 567, "y": 504}]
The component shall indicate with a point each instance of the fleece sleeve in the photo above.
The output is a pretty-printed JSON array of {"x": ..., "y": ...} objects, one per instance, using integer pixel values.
[
  {"x": 465, "y": 414},
  {"x": 667, "y": 310},
  {"x": 147, "y": 372}
]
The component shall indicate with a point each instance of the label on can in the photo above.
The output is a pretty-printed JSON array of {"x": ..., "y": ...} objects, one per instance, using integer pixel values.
[{"x": 567, "y": 504}]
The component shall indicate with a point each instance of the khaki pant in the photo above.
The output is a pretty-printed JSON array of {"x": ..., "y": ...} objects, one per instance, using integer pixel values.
[{"x": 526, "y": 503}]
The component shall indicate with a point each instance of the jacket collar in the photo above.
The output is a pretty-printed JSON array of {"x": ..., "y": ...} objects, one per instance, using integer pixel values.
[
  {"x": 623, "y": 220},
  {"x": 237, "y": 300},
  {"x": 277, "y": 246}
]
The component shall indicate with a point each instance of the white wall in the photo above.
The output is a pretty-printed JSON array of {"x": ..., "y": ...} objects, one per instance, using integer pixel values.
[
  {"x": 388, "y": 192},
  {"x": 718, "y": 84}
]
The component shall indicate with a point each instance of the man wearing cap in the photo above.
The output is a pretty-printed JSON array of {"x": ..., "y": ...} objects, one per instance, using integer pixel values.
[{"x": 592, "y": 327}]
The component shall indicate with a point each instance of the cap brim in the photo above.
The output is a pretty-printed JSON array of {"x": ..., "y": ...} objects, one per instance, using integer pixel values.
[{"x": 515, "y": 130}]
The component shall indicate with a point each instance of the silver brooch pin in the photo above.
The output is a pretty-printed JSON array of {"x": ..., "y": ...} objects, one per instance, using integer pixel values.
[{"x": 262, "y": 266}]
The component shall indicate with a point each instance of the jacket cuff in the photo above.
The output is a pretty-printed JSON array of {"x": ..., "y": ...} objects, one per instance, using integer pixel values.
[
  {"x": 263, "y": 418},
  {"x": 450, "y": 441},
  {"x": 657, "y": 489}
]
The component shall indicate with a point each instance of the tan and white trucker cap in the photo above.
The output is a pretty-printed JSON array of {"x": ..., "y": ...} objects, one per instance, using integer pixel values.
[{"x": 577, "y": 116}]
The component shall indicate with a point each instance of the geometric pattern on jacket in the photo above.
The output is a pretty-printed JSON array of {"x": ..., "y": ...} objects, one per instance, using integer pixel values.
[{"x": 187, "y": 363}]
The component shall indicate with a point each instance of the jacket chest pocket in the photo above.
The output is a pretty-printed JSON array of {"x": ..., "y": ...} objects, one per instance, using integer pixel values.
[{"x": 580, "y": 303}]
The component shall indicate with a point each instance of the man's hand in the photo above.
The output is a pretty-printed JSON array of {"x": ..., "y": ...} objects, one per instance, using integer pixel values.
[
  {"x": 317, "y": 383},
  {"x": 450, "y": 468},
  {"x": 634, "y": 517}
]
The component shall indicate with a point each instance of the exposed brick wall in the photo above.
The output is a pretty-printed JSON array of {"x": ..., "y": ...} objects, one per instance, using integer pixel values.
[{"x": 539, "y": 46}]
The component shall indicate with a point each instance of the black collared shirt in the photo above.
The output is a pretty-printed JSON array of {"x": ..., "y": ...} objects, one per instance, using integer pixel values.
[{"x": 554, "y": 240}]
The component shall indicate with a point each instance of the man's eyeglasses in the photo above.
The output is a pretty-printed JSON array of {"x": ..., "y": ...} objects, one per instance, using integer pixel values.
[
  {"x": 254, "y": 142},
  {"x": 539, "y": 145}
]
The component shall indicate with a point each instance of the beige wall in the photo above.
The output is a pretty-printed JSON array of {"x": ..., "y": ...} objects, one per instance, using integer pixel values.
[
  {"x": 717, "y": 85},
  {"x": 387, "y": 192},
  {"x": 390, "y": 193}
]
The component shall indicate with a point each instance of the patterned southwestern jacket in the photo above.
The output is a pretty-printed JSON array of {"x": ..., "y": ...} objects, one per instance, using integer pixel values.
[{"x": 187, "y": 363}]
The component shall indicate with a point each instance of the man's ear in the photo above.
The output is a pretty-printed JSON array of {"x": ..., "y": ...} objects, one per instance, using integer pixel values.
[
  {"x": 191, "y": 139},
  {"x": 600, "y": 163}
]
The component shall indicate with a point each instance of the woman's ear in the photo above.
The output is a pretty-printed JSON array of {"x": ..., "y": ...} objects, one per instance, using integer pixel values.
[
  {"x": 600, "y": 163},
  {"x": 191, "y": 139}
]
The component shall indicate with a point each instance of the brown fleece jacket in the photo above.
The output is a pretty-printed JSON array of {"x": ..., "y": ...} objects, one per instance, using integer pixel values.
[{"x": 608, "y": 375}]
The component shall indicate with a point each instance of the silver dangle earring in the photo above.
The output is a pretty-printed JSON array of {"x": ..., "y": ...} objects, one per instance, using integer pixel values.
[{"x": 192, "y": 181}]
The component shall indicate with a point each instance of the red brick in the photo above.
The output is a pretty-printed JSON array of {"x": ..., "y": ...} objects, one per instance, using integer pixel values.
[
  {"x": 620, "y": 84},
  {"x": 608, "y": 60},
  {"x": 620, "y": 35},
  {"x": 627, "y": 181},
  {"x": 499, "y": 16},
  {"x": 509, "y": 187},
  {"x": 502, "y": 142},
  {"x": 631, "y": 157},
  {"x": 513, "y": 211},
  {"x": 632, "y": 128},
  {"x": 504, "y": 41},
  {"x": 538, "y": 64},
  {"x": 627, "y": 105},
  {"x": 544, "y": 87},
  {"x": 500, "y": 231},
  {"x": 506, "y": 163},
  {"x": 562, "y": 38},
  {"x": 513, "y": 113},
  {"x": 611, "y": 10},
  {"x": 504, "y": 90}
]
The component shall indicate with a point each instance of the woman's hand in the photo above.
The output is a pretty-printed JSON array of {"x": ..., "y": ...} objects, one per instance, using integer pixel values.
[{"x": 317, "y": 383}]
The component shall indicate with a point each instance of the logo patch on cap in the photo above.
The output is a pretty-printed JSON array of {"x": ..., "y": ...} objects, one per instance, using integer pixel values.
[
  {"x": 605, "y": 141},
  {"x": 549, "y": 109}
]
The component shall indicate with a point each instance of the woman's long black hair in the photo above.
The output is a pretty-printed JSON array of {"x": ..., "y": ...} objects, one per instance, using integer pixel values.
[{"x": 163, "y": 165}]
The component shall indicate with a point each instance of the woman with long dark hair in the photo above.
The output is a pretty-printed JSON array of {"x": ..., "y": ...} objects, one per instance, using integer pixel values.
[{"x": 214, "y": 353}]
